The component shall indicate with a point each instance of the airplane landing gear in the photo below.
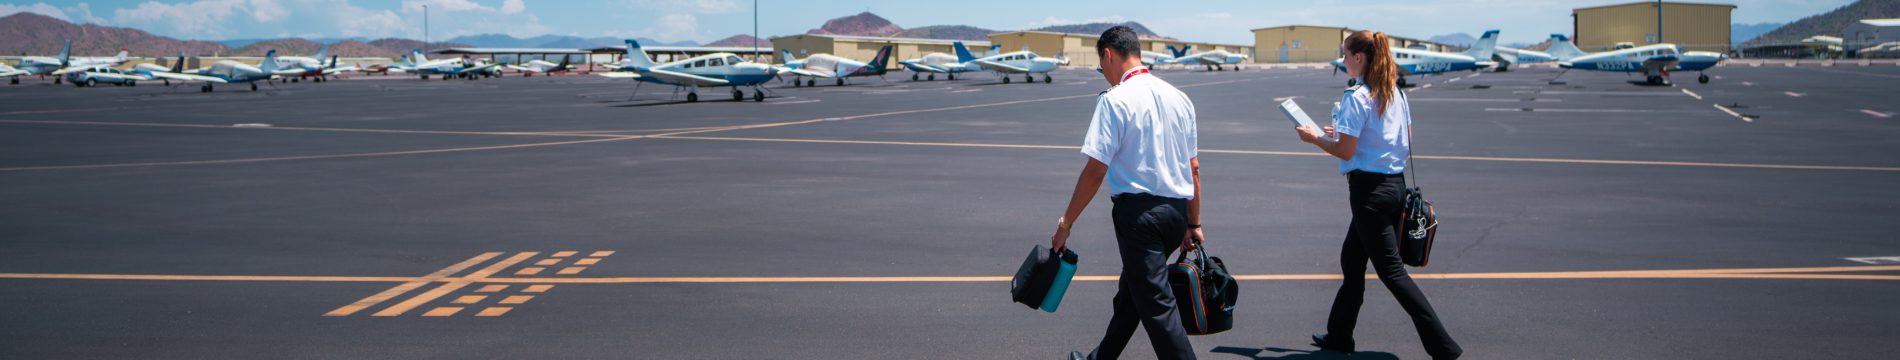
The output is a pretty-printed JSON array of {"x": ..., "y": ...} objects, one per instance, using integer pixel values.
[
  {"x": 1047, "y": 80},
  {"x": 932, "y": 77},
  {"x": 758, "y": 95},
  {"x": 205, "y": 89},
  {"x": 1029, "y": 78},
  {"x": 692, "y": 97},
  {"x": 1702, "y": 79},
  {"x": 952, "y": 76},
  {"x": 1403, "y": 83},
  {"x": 253, "y": 86},
  {"x": 913, "y": 77},
  {"x": 738, "y": 95},
  {"x": 1006, "y": 79},
  {"x": 840, "y": 81},
  {"x": 16, "y": 81},
  {"x": 811, "y": 83}
]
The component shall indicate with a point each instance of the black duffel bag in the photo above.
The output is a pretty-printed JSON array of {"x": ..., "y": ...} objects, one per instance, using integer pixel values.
[
  {"x": 1204, "y": 292},
  {"x": 1043, "y": 278}
]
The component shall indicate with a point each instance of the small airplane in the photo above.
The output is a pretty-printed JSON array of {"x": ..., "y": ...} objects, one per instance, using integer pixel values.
[
  {"x": 1020, "y": 62},
  {"x": 1505, "y": 56},
  {"x": 834, "y": 67},
  {"x": 1426, "y": 62},
  {"x": 41, "y": 65},
  {"x": 940, "y": 63},
  {"x": 457, "y": 67},
  {"x": 1212, "y": 60},
  {"x": 312, "y": 67},
  {"x": 711, "y": 70},
  {"x": 542, "y": 67},
  {"x": 384, "y": 69},
  {"x": 1654, "y": 61},
  {"x": 149, "y": 69},
  {"x": 226, "y": 72}
]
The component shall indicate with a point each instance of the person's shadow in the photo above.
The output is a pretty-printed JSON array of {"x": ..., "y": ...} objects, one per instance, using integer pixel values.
[{"x": 1292, "y": 354}]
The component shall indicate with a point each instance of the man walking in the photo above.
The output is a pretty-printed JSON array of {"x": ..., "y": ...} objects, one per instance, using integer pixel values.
[{"x": 1142, "y": 138}]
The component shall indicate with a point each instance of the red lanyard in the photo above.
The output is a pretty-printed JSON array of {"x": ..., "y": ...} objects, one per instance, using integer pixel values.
[{"x": 1132, "y": 74}]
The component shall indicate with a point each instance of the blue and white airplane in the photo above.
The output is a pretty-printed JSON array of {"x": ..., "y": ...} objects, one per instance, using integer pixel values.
[
  {"x": 940, "y": 63},
  {"x": 457, "y": 67},
  {"x": 1425, "y": 62},
  {"x": 1654, "y": 61},
  {"x": 228, "y": 72},
  {"x": 1505, "y": 57},
  {"x": 830, "y": 66},
  {"x": 1212, "y": 60},
  {"x": 1021, "y": 62},
  {"x": 711, "y": 70},
  {"x": 60, "y": 65}
]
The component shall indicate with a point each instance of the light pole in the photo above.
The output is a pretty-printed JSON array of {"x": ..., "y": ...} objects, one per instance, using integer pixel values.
[
  {"x": 425, "y": 28},
  {"x": 755, "y": 30},
  {"x": 1659, "y": 5}
]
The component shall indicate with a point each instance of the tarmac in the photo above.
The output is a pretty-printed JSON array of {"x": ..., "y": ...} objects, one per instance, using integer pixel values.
[{"x": 1585, "y": 216}]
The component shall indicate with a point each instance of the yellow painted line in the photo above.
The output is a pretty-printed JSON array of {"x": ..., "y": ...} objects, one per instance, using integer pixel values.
[
  {"x": 493, "y": 311},
  {"x": 547, "y": 262},
  {"x": 469, "y": 299},
  {"x": 602, "y": 253},
  {"x": 543, "y": 284},
  {"x": 571, "y": 270},
  {"x": 1318, "y": 154},
  {"x": 320, "y": 129},
  {"x": 314, "y": 157},
  {"x": 529, "y": 271},
  {"x": 562, "y": 254},
  {"x": 491, "y": 288},
  {"x": 451, "y": 286},
  {"x": 587, "y": 261},
  {"x": 405, "y": 287},
  {"x": 516, "y": 300},
  {"x": 442, "y": 311}
]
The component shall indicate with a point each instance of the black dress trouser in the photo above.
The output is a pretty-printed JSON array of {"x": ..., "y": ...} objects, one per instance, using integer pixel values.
[
  {"x": 1376, "y": 200},
  {"x": 1147, "y": 228}
]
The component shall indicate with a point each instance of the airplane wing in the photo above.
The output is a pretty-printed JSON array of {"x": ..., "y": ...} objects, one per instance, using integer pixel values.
[
  {"x": 811, "y": 73},
  {"x": 478, "y": 68},
  {"x": 520, "y": 68},
  {"x": 620, "y": 75},
  {"x": 332, "y": 71},
  {"x": 996, "y": 66},
  {"x": 12, "y": 72},
  {"x": 682, "y": 78},
  {"x": 188, "y": 77},
  {"x": 928, "y": 68}
]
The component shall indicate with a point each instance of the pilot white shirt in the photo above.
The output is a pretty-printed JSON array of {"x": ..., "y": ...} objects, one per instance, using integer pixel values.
[
  {"x": 1383, "y": 146},
  {"x": 1144, "y": 130}
]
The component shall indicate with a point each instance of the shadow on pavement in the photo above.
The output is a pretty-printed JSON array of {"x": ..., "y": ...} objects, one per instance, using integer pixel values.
[{"x": 1292, "y": 354}]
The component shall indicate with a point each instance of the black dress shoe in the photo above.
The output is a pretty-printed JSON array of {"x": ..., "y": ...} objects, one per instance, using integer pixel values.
[
  {"x": 1336, "y": 345},
  {"x": 1077, "y": 355}
]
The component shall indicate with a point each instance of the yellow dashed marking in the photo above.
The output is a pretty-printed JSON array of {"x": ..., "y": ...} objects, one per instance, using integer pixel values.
[
  {"x": 587, "y": 261},
  {"x": 516, "y": 300},
  {"x": 470, "y": 299},
  {"x": 492, "y": 288},
  {"x": 493, "y": 311},
  {"x": 529, "y": 271},
  {"x": 442, "y": 311},
  {"x": 547, "y": 262},
  {"x": 602, "y": 253},
  {"x": 537, "y": 288},
  {"x": 563, "y": 254},
  {"x": 571, "y": 270}
]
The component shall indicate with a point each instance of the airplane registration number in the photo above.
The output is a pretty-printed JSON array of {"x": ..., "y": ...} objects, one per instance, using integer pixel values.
[
  {"x": 1431, "y": 67},
  {"x": 1617, "y": 66}
]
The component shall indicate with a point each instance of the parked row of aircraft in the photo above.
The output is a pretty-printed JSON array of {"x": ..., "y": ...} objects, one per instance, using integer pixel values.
[
  {"x": 1654, "y": 61},
  {"x": 736, "y": 72}
]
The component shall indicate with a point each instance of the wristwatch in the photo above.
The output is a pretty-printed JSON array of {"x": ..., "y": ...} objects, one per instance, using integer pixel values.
[
  {"x": 1063, "y": 224},
  {"x": 1194, "y": 226}
]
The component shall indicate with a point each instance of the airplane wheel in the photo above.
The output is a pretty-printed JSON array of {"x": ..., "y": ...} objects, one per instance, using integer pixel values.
[
  {"x": 840, "y": 82},
  {"x": 168, "y": 82},
  {"x": 796, "y": 83},
  {"x": 738, "y": 95},
  {"x": 296, "y": 80},
  {"x": 1047, "y": 80},
  {"x": 913, "y": 77},
  {"x": 1005, "y": 79},
  {"x": 1029, "y": 79},
  {"x": 1403, "y": 83},
  {"x": 92, "y": 82},
  {"x": 1702, "y": 79},
  {"x": 932, "y": 77},
  {"x": 692, "y": 97},
  {"x": 253, "y": 86},
  {"x": 425, "y": 77},
  {"x": 758, "y": 96},
  {"x": 952, "y": 76},
  {"x": 208, "y": 88},
  {"x": 55, "y": 81},
  {"x": 130, "y": 83},
  {"x": 16, "y": 81}
]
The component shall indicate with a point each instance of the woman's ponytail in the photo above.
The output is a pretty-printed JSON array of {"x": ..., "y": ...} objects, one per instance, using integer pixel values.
[{"x": 1381, "y": 72}]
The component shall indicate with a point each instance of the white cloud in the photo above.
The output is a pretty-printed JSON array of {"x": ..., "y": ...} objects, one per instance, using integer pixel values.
[
  {"x": 513, "y": 6},
  {"x": 444, "y": 6},
  {"x": 669, "y": 27},
  {"x": 691, "y": 6},
  {"x": 1053, "y": 21},
  {"x": 82, "y": 12},
  {"x": 267, "y": 10},
  {"x": 36, "y": 8},
  {"x": 202, "y": 19}
]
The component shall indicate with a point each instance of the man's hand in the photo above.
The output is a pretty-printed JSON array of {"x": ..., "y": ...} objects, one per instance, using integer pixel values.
[
  {"x": 1060, "y": 240},
  {"x": 1193, "y": 240}
]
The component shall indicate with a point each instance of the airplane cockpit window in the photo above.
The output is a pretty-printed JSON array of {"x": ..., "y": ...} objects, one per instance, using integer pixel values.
[
  {"x": 701, "y": 63},
  {"x": 734, "y": 60},
  {"x": 1031, "y": 56},
  {"x": 717, "y": 62}
]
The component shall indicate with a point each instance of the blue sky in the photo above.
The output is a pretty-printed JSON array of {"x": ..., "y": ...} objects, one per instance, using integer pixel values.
[{"x": 1522, "y": 21}]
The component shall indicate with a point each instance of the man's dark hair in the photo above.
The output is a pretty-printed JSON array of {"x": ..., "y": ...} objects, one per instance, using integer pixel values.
[{"x": 1120, "y": 38}]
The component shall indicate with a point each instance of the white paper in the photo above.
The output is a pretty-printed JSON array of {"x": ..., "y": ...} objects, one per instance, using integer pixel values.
[{"x": 1298, "y": 116}]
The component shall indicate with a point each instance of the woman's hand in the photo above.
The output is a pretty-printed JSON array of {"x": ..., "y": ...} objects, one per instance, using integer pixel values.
[
  {"x": 1311, "y": 135},
  {"x": 1060, "y": 240}
]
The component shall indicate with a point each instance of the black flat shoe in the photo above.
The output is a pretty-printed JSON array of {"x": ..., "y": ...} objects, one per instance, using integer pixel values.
[
  {"x": 1334, "y": 345},
  {"x": 1077, "y": 355}
]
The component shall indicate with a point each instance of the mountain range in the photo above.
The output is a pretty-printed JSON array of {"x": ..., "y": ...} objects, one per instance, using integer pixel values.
[{"x": 1829, "y": 23}]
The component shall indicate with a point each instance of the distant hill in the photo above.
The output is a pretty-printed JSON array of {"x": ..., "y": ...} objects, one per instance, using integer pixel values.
[
  {"x": 1740, "y": 33},
  {"x": 1458, "y": 39},
  {"x": 284, "y": 47},
  {"x": 1098, "y": 28},
  {"x": 741, "y": 40},
  {"x": 35, "y": 34},
  {"x": 948, "y": 32},
  {"x": 238, "y": 43},
  {"x": 862, "y": 24},
  {"x": 398, "y": 47},
  {"x": 1829, "y": 23},
  {"x": 555, "y": 41}
]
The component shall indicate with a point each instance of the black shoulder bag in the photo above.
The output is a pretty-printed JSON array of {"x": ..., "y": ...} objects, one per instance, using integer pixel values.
[{"x": 1418, "y": 223}]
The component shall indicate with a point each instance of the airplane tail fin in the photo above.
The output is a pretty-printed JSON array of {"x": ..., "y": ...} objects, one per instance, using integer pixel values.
[
  {"x": 1180, "y": 53},
  {"x": 332, "y": 62},
  {"x": 66, "y": 54},
  {"x": 565, "y": 61},
  {"x": 1485, "y": 47},
  {"x": 637, "y": 56},
  {"x": 121, "y": 57},
  {"x": 179, "y": 67},
  {"x": 416, "y": 55},
  {"x": 323, "y": 52},
  {"x": 1561, "y": 49},
  {"x": 785, "y": 56},
  {"x": 881, "y": 63},
  {"x": 994, "y": 49},
  {"x": 270, "y": 61},
  {"x": 963, "y": 52}
]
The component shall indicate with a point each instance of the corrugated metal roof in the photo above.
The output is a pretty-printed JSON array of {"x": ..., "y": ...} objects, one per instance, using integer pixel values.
[{"x": 1881, "y": 22}]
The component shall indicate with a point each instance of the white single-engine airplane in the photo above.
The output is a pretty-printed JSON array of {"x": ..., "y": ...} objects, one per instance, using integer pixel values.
[
  {"x": 456, "y": 67},
  {"x": 711, "y": 70},
  {"x": 1505, "y": 57},
  {"x": 1425, "y": 62},
  {"x": 64, "y": 63},
  {"x": 311, "y": 67},
  {"x": 1654, "y": 61},
  {"x": 940, "y": 63},
  {"x": 227, "y": 72},
  {"x": 542, "y": 67},
  {"x": 1020, "y": 62},
  {"x": 834, "y": 67},
  {"x": 1212, "y": 60}
]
